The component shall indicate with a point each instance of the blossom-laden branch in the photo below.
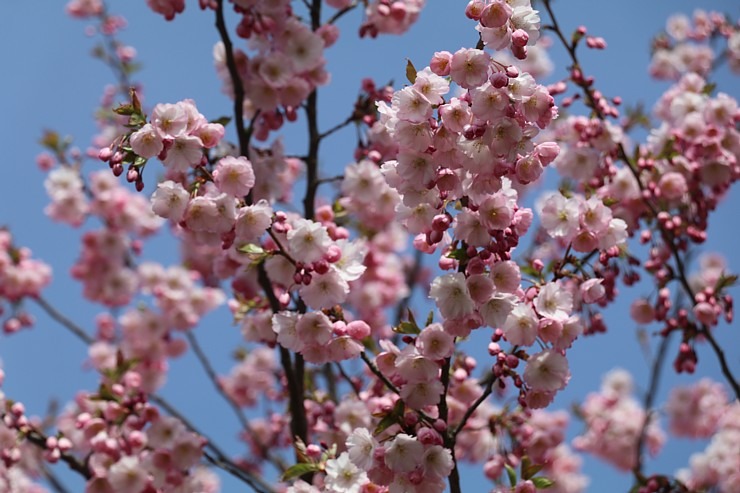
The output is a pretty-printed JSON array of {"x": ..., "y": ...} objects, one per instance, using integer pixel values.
[
  {"x": 601, "y": 109},
  {"x": 216, "y": 457}
]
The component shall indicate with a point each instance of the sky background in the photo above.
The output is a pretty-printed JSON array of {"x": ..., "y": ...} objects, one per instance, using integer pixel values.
[{"x": 49, "y": 81}]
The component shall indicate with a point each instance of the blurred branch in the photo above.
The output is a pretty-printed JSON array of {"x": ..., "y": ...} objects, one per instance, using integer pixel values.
[{"x": 238, "y": 412}]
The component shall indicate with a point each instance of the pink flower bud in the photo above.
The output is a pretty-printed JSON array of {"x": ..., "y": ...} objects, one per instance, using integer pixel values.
[
  {"x": 592, "y": 291},
  {"x": 358, "y": 329},
  {"x": 496, "y": 14}
]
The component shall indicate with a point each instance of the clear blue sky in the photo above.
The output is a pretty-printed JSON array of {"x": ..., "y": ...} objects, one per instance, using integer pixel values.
[{"x": 49, "y": 81}]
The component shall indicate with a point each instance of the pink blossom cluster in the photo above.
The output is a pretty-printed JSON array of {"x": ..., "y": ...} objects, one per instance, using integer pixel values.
[
  {"x": 148, "y": 336},
  {"x": 506, "y": 24},
  {"x": 84, "y": 8},
  {"x": 126, "y": 444},
  {"x": 383, "y": 285},
  {"x": 129, "y": 446},
  {"x": 585, "y": 224},
  {"x": 401, "y": 463},
  {"x": 252, "y": 378},
  {"x": 614, "y": 421},
  {"x": 105, "y": 263},
  {"x": 718, "y": 466},
  {"x": 20, "y": 277},
  {"x": 685, "y": 46},
  {"x": 176, "y": 135},
  {"x": 388, "y": 16},
  {"x": 168, "y": 8},
  {"x": 319, "y": 338},
  {"x": 288, "y": 64},
  {"x": 20, "y": 461},
  {"x": 695, "y": 411}
]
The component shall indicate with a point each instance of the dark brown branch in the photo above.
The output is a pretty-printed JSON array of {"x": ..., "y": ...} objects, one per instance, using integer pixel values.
[
  {"x": 236, "y": 80},
  {"x": 339, "y": 13},
  {"x": 39, "y": 439},
  {"x": 469, "y": 412}
]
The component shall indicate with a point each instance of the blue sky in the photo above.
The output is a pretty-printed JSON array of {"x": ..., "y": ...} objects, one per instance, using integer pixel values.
[{"x": 50, "y": 82}]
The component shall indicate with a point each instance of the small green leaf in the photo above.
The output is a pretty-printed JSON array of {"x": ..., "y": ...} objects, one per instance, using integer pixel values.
[
  {"x": 136, "y": 120},
  {"x": 406, "y": 328},
  {"x": 135, "y": 103},
  {"x": 542, "y": 483},
  {"x": 124, "y": 109},
  {"x": 458, "y": 254},
  {"x": 299, "y": 470},
  {"x": 725, "y": 282},
  {"x": 50, "y": 139},
  {"x": 410, "y": 71},
  {"x": 709, "y": 88},
  {"x": 430, "y": 318},
  {"x": 390, "y": 419},
  {"x": 512, "y": 475},
  {"x": 223, "y": 120},
  {"x": 251, "y": 249},
  {"x": 529, "y": 469}
]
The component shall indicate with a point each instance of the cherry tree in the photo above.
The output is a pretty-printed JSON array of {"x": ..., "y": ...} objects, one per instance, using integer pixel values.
[{"x": 409, "y": 317}]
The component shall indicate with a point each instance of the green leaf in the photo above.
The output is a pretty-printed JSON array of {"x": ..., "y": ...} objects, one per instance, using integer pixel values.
[
  {"x": 458, "y": 254},
  {"x": 385, "y": 423},
  {"x": 410, "y": 71},
  {"x": 135, "y": 101},
  {"x": 50, "y": 139},
  {"x": 136, "y": 120},
  {"x": 430, "y": 318},
  {"x": 299, "y": 470},
  {"x": 251, "y": 249},
  {"x": 725, "y": 282},
  {"x": 709, "y": 88},
  {"x": 124, "y": 109},
  {"x": 223, "y": 120},
  {"x": 542, "y": 483},
  {"x": 512, "y": 475},
  {"x": 406, "y": 328},
  {"x": 390, "y": 419},
  {"x": 529, "y": 469}
]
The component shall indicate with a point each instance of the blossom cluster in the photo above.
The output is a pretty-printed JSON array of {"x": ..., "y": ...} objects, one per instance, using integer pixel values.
[
  {"x": 614, "y": 423},
  {"x": 506, "y": 24},
  {"x": 718, "y": 465},
  {"x": 21, "y": 276},
  {"x": 685, "y": 47}
]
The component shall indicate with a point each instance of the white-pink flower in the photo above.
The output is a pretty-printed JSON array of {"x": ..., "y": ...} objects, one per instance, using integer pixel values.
[
  {"x": 547, "y": 370},
  {"x": 404, "y": 453},
  {"x": 234, "y": 176},
  {"x": 450, "y": 292},
  {"x": 308, "y": 240}
]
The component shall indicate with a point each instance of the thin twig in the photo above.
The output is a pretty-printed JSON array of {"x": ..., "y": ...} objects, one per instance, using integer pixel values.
[
  {"x": 55, "y": 483},
  {"x": 338, "y": 127},
  {"x": 216, "y": 456},
  {"x": 469, "y": 412},
  {"x": 238, "y": 412},
  {"x": 339, "y": 13},
  {"x": 55, "y": 314},
  {"x": 650, "y": 397}
]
